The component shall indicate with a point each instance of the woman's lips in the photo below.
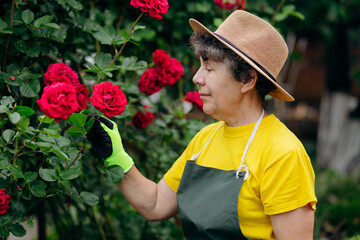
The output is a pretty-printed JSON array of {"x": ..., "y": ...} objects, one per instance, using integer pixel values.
[{"x": 204, "y": 94}]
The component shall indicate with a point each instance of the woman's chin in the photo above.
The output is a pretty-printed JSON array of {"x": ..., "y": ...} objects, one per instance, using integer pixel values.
[{"x": 208, "y": 111}]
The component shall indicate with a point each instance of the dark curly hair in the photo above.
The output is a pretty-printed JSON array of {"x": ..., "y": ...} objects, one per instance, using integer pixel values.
[{"x": 207, "y": 47}]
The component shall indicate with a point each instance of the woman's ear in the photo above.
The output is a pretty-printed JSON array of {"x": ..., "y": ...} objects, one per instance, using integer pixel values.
[{"x": 250, "y": 82}]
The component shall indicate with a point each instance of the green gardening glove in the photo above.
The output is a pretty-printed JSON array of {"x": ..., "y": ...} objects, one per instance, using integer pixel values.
[{"x": 106, "y": 143}]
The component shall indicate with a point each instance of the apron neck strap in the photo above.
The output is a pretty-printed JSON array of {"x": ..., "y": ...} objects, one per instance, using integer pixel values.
[
  {"x": 194, "y": 157},
  {"x": 242, "y": 165}
]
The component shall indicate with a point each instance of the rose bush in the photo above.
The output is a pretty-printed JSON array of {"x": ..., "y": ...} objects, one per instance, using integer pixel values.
[{"x": 54, "y": 56}]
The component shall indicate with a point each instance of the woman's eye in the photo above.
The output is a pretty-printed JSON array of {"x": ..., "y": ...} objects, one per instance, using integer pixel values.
[{"x": 208, "y": 69}]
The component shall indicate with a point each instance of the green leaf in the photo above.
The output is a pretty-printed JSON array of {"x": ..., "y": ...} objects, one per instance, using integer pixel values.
[
  {"x": 50, "y": 25},
  {"x": 47, "y": 138},
  {"x": 44, "y": 145},
  {"x": 7, "y": 101},
  {"x": 30, "y": 222},
  {"x": 75, "y": 130},
  {"x": 70, "y": 173},
  {"x": 8, "y": 135},
  {"x": 105, "y": 36},
  {"x": 33, "y": 51},
  {"x": 78, "y": 118},
  {"x": 45, "y": 119},
  {"x": 125, "y": 34},
  {"x": 29, "y": 76},
  {"x": 62, "y": 141},
  {"x": 15, "y": 171},
  {"x": 60, "y": 154},
  {"x": 51, "y": 132},
  {"x": 217, "y": 22},
  {"x": 102, "y": 60},
  {"x": 27, "y": 16},
  {"x": 3, "y": 121},
  {"x": 30, "y": 89},
  {"x": 6, "y": 77},
  {"x": 43, "y": 20},
  {"x": 24, "y": 123},
  {"x": 49, "y": 175},
  {"x": 3, "y": 109},
  {"x": 4, "y": 164},
  {"x": 17, "y": 230},
  {"x": 4, "y": 28},
  {"x": 30, "y": 176},
  {"x": 89, "y": 198},
  {"x": 72, "y": 3},
  {"x": 24, "y": 111},
  {"x": 5, "y": 220},
  {"x": 74, "y": 195},
  {"x": 14, "y": 117},
  {"x": 124, "y": 114},
  {"x": 298, "y": 15},
  {"x": 37, "y": 188},
  {"x": 89, "y": 124},
  {"x": 4, "y": 232},
  {"x": 114, "y": 174}
]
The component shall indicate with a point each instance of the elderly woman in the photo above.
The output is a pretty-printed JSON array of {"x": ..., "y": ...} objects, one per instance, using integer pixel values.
[{"x": 244, "y": 177}]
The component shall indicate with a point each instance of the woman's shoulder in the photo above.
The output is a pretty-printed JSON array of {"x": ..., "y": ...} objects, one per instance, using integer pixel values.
[{"x": 278, "y": 137}]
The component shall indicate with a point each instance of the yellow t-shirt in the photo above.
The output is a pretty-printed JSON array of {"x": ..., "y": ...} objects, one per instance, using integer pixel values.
[{"x": 281, "y": 176}]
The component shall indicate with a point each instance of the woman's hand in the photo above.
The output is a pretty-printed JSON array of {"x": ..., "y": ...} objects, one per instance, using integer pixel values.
[
  {"x": 106, "y": 143},
  {"x": 154, "y": 201},
  {"x": 296, "y": 224}
]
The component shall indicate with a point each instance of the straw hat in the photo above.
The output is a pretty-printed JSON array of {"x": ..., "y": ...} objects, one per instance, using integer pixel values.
[{"x": 254, "y": 40}]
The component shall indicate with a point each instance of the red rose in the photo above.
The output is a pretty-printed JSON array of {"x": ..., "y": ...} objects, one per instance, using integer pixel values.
[
  {"x": 161, "y": 58},
  {"x": 109, "y": 99},
  {"x": 58, "y": 101},
  {"x": 82, "y": 95},
  {"x": 228, "y": 4},
  {"x": 53, "y": 78},
  {"x": 152, "y": 8},
  {"x": 60, "y": 69},
  {"x": 150, "y": 82},
  {"x": 174, "y": 71},
  {"x": 193, "y": 97},
  {"x": 4, "y": 201},
  {"x": 142, "y": 119}
]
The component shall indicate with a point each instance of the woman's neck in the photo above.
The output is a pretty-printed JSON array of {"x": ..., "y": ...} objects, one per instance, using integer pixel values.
[{"x": 248, "y": 112}]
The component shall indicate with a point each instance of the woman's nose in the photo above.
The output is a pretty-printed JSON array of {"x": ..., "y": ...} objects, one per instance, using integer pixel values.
[{"x": 198, "y": 78}]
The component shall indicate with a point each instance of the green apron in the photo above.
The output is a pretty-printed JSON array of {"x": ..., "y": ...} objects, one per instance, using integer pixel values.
[{"x": 208, "y": 199}]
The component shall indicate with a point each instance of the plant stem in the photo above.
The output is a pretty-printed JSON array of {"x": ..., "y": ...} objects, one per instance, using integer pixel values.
[
  {"x": 124, "y": 44},
  {"x": 78, "y": 155},
  {"x": 102, "y": 233},
  {"x": 278, "y": 8},
  {"x": 25, "y": 145}
]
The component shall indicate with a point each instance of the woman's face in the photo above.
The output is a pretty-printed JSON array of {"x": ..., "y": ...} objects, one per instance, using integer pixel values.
[{"x": 219, "y": 91}]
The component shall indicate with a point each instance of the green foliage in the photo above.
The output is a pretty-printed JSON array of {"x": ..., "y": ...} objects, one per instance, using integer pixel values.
[
  {"x": 337, "y": 213},
  {"x": 46, "y": 166}
]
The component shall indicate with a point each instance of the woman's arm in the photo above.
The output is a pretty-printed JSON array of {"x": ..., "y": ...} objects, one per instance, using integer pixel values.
[
  {"x": 154, "y": 201},
  {"x": 296, "y": 224}
]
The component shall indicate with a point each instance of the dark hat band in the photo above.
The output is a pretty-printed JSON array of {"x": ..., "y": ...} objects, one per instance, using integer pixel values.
[{"x": 256, "y": 63}]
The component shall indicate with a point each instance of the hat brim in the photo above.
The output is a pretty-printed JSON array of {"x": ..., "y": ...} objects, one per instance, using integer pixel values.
[{"x": 278, "y": 93}]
